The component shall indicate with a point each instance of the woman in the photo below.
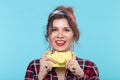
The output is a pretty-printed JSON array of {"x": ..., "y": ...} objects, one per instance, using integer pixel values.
[{"x": 61, "y": 33}]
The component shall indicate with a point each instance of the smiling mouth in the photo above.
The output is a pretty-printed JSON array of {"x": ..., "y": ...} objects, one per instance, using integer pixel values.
[{"x": 60, "y": 42}]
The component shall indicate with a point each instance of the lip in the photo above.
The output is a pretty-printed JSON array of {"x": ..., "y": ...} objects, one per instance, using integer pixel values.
[{"x": 60, "y": 42}]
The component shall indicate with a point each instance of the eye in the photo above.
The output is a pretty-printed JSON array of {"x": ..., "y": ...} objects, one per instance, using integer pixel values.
[
  {"x": 54, "y": 29},
  {"x": 66, "y": 29}
]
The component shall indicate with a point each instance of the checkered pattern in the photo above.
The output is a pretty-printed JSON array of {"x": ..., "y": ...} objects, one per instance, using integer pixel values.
[{"x": 89, "y": 68}]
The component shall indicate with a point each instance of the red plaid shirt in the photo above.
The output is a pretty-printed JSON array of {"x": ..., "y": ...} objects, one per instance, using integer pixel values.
[{"x": 89, "y": 68}]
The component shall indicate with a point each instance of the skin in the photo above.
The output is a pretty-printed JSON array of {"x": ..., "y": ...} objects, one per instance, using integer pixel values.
[{"x": 61, "y": 39}]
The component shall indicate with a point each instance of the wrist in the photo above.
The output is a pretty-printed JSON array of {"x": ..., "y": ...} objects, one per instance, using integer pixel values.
[
  {"x": 40, "y": 76},
  {"x": 80, "y": 75}
]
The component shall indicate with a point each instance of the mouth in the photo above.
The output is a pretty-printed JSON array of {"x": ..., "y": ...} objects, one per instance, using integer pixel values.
[{"x": 60, "y": 42}]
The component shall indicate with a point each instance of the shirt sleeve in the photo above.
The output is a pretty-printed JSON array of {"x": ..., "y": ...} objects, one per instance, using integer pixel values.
[
  {"x": 31, "y": 71},
  {"x": 91, "y": 78},
  {"x": 91, "y": 72}
]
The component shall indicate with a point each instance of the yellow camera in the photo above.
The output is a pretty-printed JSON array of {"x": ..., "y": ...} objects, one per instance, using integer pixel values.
[{"x": 60, "y": 57}]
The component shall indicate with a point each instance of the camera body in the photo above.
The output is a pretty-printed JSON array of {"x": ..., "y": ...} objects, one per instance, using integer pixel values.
[{"x": 60, "y": 58}]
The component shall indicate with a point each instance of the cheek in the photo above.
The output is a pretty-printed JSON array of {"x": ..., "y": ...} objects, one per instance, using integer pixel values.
[
  {"x": 52, "y": 38},
  {"x": 70, "y": 37}
]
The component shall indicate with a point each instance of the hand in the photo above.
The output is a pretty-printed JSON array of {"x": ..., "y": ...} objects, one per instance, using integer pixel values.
[
  {"x": 74, "y": 67},
  {"x": 45, "y": 66}
]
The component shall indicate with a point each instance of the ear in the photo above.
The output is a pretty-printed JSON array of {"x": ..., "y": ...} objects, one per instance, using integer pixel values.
[{"x": 47, "y": 38}]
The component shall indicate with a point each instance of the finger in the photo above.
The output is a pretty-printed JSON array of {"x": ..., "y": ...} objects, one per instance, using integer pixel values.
[
  {"x": 43, "y": 68},
  {"x": 72, "y": 68},
  {"x": 70, "y": 63},
  {"x": 48, "y": 58},
  {"x": 73, "y": 56},
  {"x": 45, "y": 53},
  {"x": 67, "y": 63},
  {"x": 47, "y": 67},
  {"x": 44, "y": 64}
]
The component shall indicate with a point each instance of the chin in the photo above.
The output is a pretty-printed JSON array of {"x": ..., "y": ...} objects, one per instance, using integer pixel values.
[{"x": 62, "y": 50}]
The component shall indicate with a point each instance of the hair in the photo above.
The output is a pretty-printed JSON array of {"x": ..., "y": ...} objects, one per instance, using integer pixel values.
[{"x": 70, "y": 18}]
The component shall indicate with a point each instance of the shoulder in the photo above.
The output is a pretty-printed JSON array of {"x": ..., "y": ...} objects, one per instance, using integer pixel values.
[
  {"x": 32, "y": 70},
  {"x": 88, "y": 66},
  {"x": 33, "y": 63},
  {"x": 33, "y": 66},
  {"x": 85, "y": 62}
]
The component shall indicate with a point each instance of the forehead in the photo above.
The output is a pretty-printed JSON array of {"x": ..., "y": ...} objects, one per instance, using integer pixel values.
[{"x": 60, "y": 23}]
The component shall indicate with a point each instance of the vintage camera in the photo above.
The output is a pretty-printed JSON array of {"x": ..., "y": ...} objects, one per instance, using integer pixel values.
[{"x": 60, "y": 57}]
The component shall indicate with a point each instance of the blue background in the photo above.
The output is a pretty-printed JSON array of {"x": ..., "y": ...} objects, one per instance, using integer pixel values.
[{"x": 22, "y": 30}]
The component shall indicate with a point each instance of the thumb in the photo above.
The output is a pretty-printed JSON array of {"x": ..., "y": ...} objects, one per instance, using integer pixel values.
[
  {"x": 51, "y": 59},
  {"x": 45, "y": 53}
]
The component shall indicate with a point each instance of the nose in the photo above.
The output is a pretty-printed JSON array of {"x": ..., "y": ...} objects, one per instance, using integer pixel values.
[{"x": 60, "y": 34}]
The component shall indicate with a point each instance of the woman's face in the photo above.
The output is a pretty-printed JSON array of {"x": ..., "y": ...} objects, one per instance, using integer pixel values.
[{"x": 61, "y": 37}]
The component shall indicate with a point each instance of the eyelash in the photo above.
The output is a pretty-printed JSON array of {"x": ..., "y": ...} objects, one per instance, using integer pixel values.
[
  {"x": 66, "y": 30},
  {"x": 54, "y": 30}
]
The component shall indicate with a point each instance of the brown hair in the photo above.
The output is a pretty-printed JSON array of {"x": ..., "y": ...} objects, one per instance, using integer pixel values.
[{"x": 71, "y": 21}]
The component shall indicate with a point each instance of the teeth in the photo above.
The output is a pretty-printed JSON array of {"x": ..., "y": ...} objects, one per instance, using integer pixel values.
[{"x": 60, "y": 42}]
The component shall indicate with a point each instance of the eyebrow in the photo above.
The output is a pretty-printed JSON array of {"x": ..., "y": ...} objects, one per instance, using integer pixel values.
[{"x": 57, "y": 27}]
